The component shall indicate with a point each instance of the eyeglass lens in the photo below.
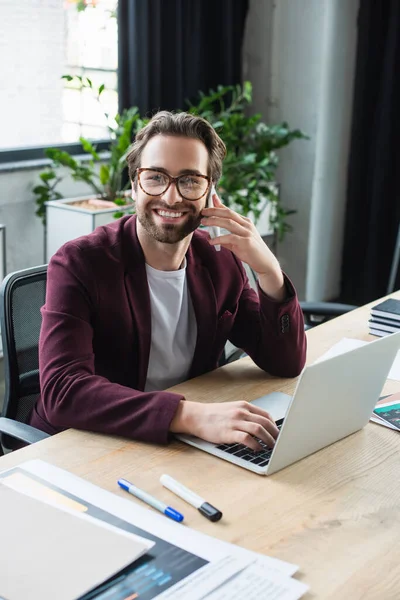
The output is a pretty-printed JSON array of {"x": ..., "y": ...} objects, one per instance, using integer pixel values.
[{"x": 190, "y": 186}]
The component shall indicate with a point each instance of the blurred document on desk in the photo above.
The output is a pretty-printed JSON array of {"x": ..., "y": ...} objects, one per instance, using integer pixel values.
[
  {"x": 231, "y": 578},
  {"x": 181, "y": 559},
  {"x": 389, "y": 412},
  {"x": 49, "y": 553},
  {"x": 254, "y": 583},
  {"x": 346, "y": 344}
]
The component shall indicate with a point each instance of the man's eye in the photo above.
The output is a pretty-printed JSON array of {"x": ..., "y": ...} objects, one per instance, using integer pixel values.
[
  {"x": 155, "y": 178},
  {"x": 190, "y": 181}
]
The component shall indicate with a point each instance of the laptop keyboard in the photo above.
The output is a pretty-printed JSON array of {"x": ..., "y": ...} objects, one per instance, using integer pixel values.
[{"x": 260, "y": 458}]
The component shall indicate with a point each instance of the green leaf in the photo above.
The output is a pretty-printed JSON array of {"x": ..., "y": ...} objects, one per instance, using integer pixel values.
[
  {"x": 47, "y": 175},
  {"x": 81, "y": 5},
  {"x": 104, "y": 174},
  {"x": 248, "y": 91},
  {"x": 101, "y": 89},
  {"x": 67, "y": 77},
  {"x": 41, "y": 189},
  {"x": 89, "y": 148},
  {"x": 120, "y": 201}
]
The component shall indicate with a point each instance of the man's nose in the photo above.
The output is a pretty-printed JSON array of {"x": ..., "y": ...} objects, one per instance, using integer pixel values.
[{"x": 171, "y": 196}]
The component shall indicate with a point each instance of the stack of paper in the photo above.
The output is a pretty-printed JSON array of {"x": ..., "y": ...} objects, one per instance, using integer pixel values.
[
  {"x": 385, "y": 317},
  {"x": 346, "y": 344},
  {"x": 182, "y": 563}
]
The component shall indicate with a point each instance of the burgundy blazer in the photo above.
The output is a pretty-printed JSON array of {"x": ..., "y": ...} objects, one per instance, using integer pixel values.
[{"x": 96, "y": 331}]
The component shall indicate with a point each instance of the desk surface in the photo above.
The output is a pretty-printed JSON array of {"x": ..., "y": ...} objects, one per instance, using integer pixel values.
[{"x": 335, "y": 513}]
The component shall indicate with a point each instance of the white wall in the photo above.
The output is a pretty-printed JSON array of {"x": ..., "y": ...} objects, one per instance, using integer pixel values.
[
  {"x": 299, "y": 55},
  {"x": 24, "y": 230}
]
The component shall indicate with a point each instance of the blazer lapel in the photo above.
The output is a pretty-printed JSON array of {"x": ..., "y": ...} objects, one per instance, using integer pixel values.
[
  {"x": 202, "y": 294},
  {"x": 137, "y": 291}
]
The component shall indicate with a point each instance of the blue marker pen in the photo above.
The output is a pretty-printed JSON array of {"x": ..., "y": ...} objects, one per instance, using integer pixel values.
[{"x": 150, "y": 500}]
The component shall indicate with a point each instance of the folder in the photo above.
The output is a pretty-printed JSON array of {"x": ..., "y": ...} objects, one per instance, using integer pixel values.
[{"x": 47, "y": 552}]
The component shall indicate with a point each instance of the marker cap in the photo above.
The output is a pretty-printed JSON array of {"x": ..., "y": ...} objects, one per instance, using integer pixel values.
[
  {"x": 210, "y": 512},
  {"x": 173, "y": 514}
]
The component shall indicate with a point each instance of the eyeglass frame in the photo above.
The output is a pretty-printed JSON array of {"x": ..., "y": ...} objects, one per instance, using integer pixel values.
[{"x": 175, "y": 180}]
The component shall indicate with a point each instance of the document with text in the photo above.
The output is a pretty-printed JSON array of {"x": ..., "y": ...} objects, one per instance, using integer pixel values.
[{"x": 181, "y": 563}]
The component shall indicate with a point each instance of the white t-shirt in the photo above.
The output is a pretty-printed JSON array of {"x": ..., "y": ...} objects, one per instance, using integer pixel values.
[{"x": 173, "y": 328}]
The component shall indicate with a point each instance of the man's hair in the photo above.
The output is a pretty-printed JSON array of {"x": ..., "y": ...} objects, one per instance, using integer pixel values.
[{"x": 179, "y": 124}]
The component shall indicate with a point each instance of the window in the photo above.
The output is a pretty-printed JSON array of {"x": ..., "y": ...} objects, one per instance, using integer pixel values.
[{"x": 42, "y": 40}]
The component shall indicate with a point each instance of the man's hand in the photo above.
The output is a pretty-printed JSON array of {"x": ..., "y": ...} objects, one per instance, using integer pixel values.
[
  {"x": 226, "y": 423},
  {"x": 247, "y": 244}
]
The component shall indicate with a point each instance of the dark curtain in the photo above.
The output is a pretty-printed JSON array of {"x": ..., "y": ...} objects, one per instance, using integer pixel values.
[
  {"x": 373, "y": 202},
  {"x": 171, "y": 49}
]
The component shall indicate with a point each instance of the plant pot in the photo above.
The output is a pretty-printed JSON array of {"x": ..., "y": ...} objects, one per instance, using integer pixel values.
[{"x": 70, "y": 218}]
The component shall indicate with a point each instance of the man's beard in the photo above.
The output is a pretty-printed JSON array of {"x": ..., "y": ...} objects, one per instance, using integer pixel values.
[{"x": 168, "y": 233}]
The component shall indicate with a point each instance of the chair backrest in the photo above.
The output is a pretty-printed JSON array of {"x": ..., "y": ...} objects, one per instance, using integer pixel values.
[{"x": 22, "y": 294}]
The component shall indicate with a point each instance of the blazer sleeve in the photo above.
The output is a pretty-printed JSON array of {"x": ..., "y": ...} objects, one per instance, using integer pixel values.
[
  {"x": 271, "y": 332},
  {"x": 72, "y": 394}
]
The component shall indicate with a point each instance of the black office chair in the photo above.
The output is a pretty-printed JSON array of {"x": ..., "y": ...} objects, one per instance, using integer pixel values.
[
  {"x": 316, "y": 313},
  {"x": 22, "y": 295}
]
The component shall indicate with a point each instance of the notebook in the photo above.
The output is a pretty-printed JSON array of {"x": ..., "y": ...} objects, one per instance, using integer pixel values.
[{"x": 390, "y": 309}]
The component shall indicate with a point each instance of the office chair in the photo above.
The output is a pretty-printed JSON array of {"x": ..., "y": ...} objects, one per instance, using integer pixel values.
[
  {"x": 316, "y": 313},
  {"x": 22, "y": 294}
]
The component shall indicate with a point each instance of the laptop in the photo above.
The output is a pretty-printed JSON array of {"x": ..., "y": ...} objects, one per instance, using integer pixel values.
[{"x": 334, "y": 398}]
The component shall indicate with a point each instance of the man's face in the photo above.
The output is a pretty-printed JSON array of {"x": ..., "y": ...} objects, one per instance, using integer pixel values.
[{"x": 169, "y": 218}]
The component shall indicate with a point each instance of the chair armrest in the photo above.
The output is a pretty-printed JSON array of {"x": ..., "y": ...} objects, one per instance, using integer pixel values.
[
  {"x": 333, "y": 309},
  {"x": 235, "y": 355},
  {"x": 21, "y": 431}
]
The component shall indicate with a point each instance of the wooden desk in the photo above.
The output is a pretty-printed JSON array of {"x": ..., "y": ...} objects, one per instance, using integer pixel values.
[{"x": 335, "y": 513}]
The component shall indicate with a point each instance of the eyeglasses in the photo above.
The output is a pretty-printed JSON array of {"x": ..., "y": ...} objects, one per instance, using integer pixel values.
[{"x": 190, "y": 186}]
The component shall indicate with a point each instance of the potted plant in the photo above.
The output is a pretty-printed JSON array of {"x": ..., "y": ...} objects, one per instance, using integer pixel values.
[
  {"x": 248, "y": 183},
  {"x": 68, "y": 218}
]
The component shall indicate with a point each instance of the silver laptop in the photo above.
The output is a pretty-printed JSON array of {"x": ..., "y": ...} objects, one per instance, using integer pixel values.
[{"x": 333, "y": 398}]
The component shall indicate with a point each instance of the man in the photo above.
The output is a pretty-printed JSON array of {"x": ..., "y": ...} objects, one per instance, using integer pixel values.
[{"x": 147, "y": 302}]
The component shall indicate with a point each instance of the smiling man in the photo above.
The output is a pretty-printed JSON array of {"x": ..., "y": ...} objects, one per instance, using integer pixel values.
[{"x": 146, "y": 302}]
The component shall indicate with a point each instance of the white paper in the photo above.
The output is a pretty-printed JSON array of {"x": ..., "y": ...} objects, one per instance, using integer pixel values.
[
  {"x": 346, "y": 344},
  {"x": 202, "y": 582},
  {"x": 255, "y": 583},
  {"x": 204, "y": 546},
  {"x": 376, "y": 419}
]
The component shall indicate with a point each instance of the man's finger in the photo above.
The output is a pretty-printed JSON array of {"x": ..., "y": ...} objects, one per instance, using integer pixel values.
[
  {"x": 228, "y": 224},
  {"x": 268, "y": 424},
  {"x": 225, "y": 240},
  {"x": 260, "y": 411},
  {"x": 258, "y": 432},
  {"x": 248, "y": 440},
  {"x": 225, "y": 213},
  {"x": 216, "y": 201}
]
